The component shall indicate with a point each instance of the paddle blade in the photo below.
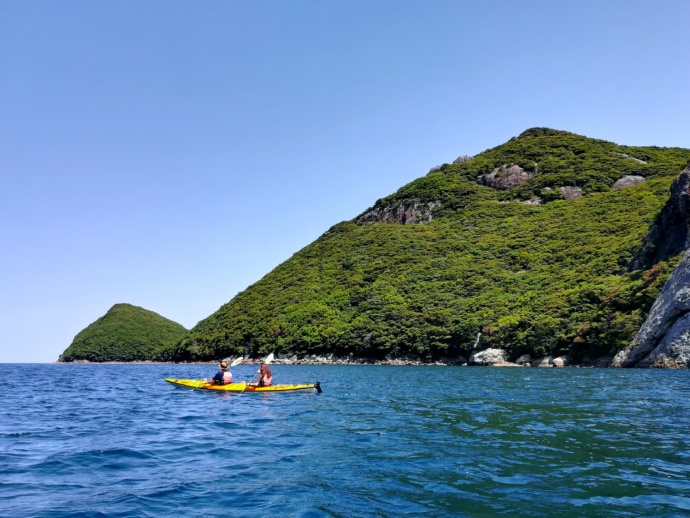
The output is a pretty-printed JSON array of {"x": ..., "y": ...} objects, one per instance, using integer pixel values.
[
  {"x": 236, "y": 362},
  {"x": 269, "y": 358}
]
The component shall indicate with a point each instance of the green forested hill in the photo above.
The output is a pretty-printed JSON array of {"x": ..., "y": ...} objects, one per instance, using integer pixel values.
[
  {"x": 124, "y": 333},
  {"x": 537, "y": 278}
]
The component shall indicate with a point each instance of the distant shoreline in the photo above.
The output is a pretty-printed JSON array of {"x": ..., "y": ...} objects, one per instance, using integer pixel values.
[{"x": 323, "y": 361}]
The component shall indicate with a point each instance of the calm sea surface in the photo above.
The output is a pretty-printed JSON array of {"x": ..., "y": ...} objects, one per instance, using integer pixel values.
[{"x": 116, "y": 440}]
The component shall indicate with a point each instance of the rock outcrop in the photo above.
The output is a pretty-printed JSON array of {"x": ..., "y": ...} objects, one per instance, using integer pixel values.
[
  {"x": 668, "y": 236},
  {"x": 504, "y": 177},
  {"x": 569, "y": 192},
  {"x": 462, "y": 159},
  {"x": 628, "y": 181},
  {"x": 664, "y": 338},
  {"x": 406, "y": 212},
  {"x": 631, "y": 158}
]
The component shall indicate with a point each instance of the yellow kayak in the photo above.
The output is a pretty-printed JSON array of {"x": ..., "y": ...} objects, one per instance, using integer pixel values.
[{"x": 241, "y": 387}]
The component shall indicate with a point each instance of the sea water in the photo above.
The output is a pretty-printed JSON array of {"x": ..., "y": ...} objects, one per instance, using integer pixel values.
[{"x": 116, "y": 440}]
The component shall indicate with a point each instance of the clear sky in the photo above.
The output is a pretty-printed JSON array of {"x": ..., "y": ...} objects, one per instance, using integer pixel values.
[{"x": 171, "y": 153}]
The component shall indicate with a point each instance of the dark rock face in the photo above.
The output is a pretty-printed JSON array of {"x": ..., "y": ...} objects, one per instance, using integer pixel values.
[
  {"x": 669, "y": 234},
  {"x": 628, "y": 181},
  {"x": 674, "y": 349},
  {"x": 504, "y": 177},
  {"x": 407, "y": 212},
  {"x": 664, "y": 338}
]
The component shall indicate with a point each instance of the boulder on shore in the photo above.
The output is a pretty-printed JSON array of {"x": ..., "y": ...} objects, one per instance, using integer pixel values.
[
  {"x": 544, "y": 362},
  {"x": 488, "y": 357},
  {"x": 525, "y": 359},
  {"x": 562, "y": 361}
]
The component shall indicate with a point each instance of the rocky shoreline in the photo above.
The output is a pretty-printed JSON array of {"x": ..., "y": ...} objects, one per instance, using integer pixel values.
[{"x": 483, "y": 358}]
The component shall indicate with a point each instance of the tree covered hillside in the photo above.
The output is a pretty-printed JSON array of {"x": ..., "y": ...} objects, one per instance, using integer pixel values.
[
  {"x": 452, "y": 253},
  {"x": 124, "y": 333}
]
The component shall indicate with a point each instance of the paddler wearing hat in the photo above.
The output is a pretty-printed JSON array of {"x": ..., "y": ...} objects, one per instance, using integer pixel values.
[{"x": 223, "y": 377}]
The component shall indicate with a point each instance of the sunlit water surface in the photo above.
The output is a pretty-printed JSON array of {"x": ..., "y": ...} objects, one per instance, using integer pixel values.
[{"x": 116, "y": 440}]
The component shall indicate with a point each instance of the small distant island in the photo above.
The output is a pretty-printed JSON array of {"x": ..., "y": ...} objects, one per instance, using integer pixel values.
[
  {"x": 551, "y": 249},
  {"x": 126, "y": 333}
]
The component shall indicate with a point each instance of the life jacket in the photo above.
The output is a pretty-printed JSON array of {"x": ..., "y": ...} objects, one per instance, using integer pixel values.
[{"x": 227, "y": 377}]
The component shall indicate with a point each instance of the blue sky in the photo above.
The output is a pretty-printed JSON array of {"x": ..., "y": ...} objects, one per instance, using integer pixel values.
[{"x": 171, "y": 153}]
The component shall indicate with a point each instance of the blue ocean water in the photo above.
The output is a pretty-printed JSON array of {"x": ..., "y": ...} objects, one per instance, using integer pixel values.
[{"x": 116, "y": 440}]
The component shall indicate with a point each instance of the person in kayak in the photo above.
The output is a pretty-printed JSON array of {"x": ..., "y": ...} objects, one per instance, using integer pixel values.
[
  {"x": 223, "y": 377},
  {"x": 264, "y": 375}
]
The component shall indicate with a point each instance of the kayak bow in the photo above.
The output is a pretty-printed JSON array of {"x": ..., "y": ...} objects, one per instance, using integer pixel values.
[{"x": 241, "y": 387}]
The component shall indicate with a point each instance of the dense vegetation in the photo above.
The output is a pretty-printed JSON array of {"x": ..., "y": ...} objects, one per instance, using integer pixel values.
[
  {"x": 538, "y": 279},
  {"x": 124, "y": 333},
  {"x": 556, "y": 158}
]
